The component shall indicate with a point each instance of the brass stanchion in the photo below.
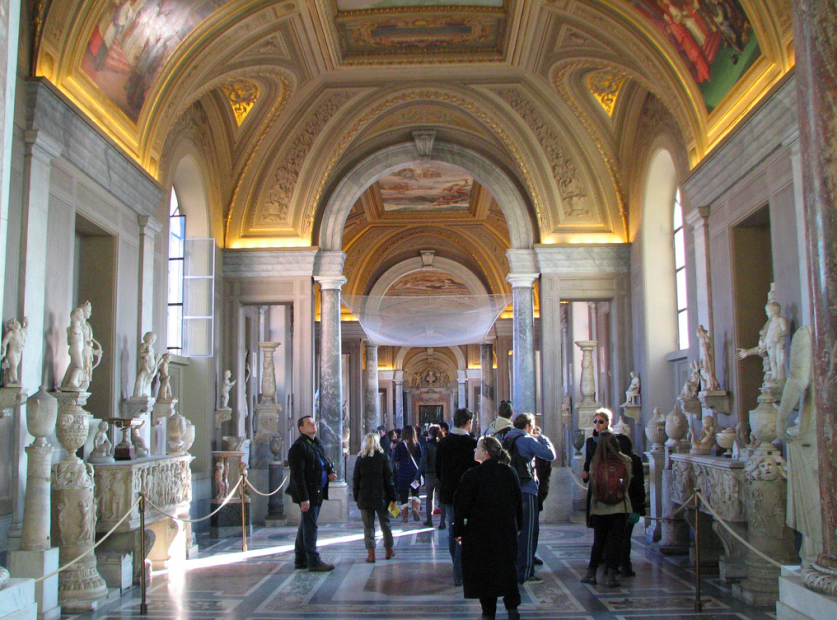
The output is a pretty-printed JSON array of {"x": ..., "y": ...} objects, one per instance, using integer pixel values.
[
  {"x": 698, "y": 604},
  {"x": 242, "y": 491},
  {"x": 143, "y": 604}
]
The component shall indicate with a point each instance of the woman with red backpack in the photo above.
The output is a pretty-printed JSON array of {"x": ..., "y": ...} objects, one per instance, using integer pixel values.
[{"x": 610, "y": 477}]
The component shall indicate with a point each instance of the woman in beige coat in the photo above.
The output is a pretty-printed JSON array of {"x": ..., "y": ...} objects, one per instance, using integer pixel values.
[{"x": 608, "y": 518}]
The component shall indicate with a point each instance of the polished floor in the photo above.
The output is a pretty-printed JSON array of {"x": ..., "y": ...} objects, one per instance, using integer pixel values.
[{"x": 262, "y": 584}]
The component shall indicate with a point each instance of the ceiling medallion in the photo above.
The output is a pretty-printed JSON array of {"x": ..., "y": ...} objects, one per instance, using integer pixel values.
[
  {"x": 605, "y": 87},
  {"x": 242, "y": 96}
]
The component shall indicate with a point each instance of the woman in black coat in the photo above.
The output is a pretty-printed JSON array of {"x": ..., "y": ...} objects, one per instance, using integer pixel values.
[
  {"x": 488, "y": 515},
  {"x": 374, "y": 491}
]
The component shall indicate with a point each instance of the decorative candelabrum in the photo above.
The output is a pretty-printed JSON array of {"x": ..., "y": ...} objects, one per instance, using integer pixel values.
[
  {"x": 75, "y": 508},
  {"x": 587, "y": 386}
]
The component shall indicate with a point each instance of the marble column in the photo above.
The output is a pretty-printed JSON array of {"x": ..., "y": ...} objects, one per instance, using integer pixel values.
[
  {"x": 816, "y": 67},
  {"x": 461, "y": 394},
  {"x": 331, "y": 384},
  {"x": 523, "y": 333},
  {"x": 149, "y": 228},
  {"x": 399, "y": 399},
  {"x": 488, "y": 409},
  {"x": 371, "y": 402}
]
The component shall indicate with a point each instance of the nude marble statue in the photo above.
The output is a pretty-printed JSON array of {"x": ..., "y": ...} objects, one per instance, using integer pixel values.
[
  {"x": 147, "y": 363},
  {"x": 226, "y": 386},
  {"x": 707, "y": 361},
  {"x": 11, "y": 349}
]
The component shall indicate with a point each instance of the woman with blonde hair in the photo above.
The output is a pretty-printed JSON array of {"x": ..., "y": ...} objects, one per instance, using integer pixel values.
[
  {"x": 374, "y": 491},
  {"x": 610, "y": 478},
  {"x": 488, "y": 515}
]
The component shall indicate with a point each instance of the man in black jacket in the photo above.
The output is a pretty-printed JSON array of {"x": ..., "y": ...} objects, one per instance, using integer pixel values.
[
  {"x": 454, "y": 456},
  {"x": 311, "y": 471}
]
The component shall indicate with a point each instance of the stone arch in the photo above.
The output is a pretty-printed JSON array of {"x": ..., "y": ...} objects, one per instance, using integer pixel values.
[
  {"x": 401, "y": 355},
  {"x": 501, "y": 185},
  {"x": 445, "y": 265}
]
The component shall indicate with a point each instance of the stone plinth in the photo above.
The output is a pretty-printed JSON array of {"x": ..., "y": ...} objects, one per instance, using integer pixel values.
[
  {"x": 116, "y": 569},
  {"x": 167, "y": 483},
  {"x": 653, "y": 529},
  {"x": 631, "y": 411},
  {"x": 267, "y": 426},
  {"x": 17, "y": 601},
  {"x": 276, "y": 502},
  {"x": 226, "y": 523},
  {"x": 717, "y": 400},
  {"x": 34, "y": 564},
  {"x": 797, "y": 602},
  {"x": 334, "y": 510}
]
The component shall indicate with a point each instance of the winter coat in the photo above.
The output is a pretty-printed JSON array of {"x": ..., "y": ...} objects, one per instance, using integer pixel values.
[
  {"x": 636, "y": 489},
  {"x": 427, "y": 465},
  {"x": 405, "y": 471},
  {"x": 306, "y": 459},
  {"x": 372, "y": 482},
  {"x": 454, "y": 456},
  {"x": 488, "y": 514}
]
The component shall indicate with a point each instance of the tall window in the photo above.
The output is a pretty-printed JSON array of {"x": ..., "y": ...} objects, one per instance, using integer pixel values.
[
  {"x": 177, "y": 255},
  {"x": 680, "y": 275}
]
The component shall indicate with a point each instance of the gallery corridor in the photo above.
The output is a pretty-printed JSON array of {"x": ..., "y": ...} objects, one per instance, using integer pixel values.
[{"x": 262, "y": 584}]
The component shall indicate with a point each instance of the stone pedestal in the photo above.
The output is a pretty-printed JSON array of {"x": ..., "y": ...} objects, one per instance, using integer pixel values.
[
  {"x": 17, "y": 601},
  {"x": 631, "y": 411},
  {"x": 159, "y": 431},
  {"x": 558, "y": 506},
  {"x": 797, "y": 602},
  {"x": 35, "y": 564},
  {"x": 656, "y": 460},
  {"x": 180, "y": 431},
  {"x": 674, "y": 532},
  {"x": 116, "y": 569},
  {"x": 227, "y": 522},
  {"x": 268, "y": 425},
  {"x": 335, "y": 510},
  {"x": 276, "y": 502},
  {"x": 690, "y": 406},
  {"x": 579, "y": 496},
  {"x": 717, "y": 400},
  {"x": 587, "y": 385}
]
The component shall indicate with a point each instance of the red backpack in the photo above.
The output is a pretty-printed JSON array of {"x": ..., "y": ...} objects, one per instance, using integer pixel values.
[{"x": 611, "y": 481}]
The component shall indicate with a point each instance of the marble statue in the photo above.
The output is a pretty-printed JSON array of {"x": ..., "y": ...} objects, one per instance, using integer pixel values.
[
  {"x": 566, "y": 409},
  {"x": 221, "y": 481},
  {"x": 92, "y": 351},
  {"x": 164, "y": 393},
  {"x": 226, "y": 386},
  {"x": 803, "y": 512},
  {"x": 11, "y": 349},
  {"x": 147, "y": 363},
  {"x": 692, "y": 384},
  {"x": 707, "y": 361},
  {"x": 632, "y": 393},
  {"x": 75, "y": 375},
  {"x": 102, "y": 447},
  {"x": 771, "y": 345},
  {"x": 706, "y": 439}
]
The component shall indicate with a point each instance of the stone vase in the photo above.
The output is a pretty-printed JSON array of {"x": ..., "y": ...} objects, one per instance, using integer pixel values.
[
  {"x": 726, "y": 438},
  {"x": 655, "y": 431},
  {"x": 176, "y": 430},
  {"x": 41, "y": 417},
  {"x": 677, "y": 427},
  {"x": 763, "y": 417},
  {"x": 578, "y": 439}
]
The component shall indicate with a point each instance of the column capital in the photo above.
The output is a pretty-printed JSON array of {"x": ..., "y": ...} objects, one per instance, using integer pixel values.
[
  {"x": 522, "y": 261},
  {"x": 398, "y": 376},
  {"x": 330, "y": 283},
  {"x": 522, "y": 280},
  {"x": 149, "y": 225},
  {"x": 697, "y": 217},
  {"x": 329, "y": 263}
]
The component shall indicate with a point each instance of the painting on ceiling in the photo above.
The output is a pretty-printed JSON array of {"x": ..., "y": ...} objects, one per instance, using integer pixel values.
[
  {"x": 363, "y": 5},
  {"x": 424, "y": 283},
  {"x": 132, "y": 40},
  {"x": 714, "y": 38},
  {"x": 426, "y": 188}
]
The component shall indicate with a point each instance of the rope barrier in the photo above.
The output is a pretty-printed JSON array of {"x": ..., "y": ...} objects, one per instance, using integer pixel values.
[
  {"x": 578, "y": 482},
  {"x": 89, "y": 551},
  {"x": 257, "y": 492},
  {"x": 673, "y": 512},
  {"x": 184, "y": 520},
  {"x": 735, "y": 534}
]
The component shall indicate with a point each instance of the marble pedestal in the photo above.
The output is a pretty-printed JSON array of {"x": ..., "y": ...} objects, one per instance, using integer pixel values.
[
  {"x": 268, "y": 425},
  {"x": 334, "y": 510},
  {"x": 17, "y": 600},
  {"x": 797, "y": 602},
  {"x": 276, "y": 502},
  {"x": 717, "y": 400},
  {"x": 558, "y": 506},
  {"x": 34, "y": 564},
  {"x": 579, "y": 496},
  {"x": 226, "y": 523},
  {"x": 654, "y": 528}
]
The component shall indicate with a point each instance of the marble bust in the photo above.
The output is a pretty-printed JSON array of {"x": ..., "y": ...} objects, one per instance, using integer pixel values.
[{"x": 11, "y": 349}]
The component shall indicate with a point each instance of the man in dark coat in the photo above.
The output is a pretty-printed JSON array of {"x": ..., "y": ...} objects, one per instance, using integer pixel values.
[
  {"x": 489, "y": 515},
  {"x": 311, "y": 471},
  {"x": 455, "y": 456}
]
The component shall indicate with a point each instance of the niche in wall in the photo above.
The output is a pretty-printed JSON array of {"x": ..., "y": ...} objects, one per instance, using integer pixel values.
[
  {"x": 94, "y": 280},
  {"x": 752, "y": 275}
]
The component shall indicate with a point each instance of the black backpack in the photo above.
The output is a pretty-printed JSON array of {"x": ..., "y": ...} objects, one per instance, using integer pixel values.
[{"x": 525, "y": 469}]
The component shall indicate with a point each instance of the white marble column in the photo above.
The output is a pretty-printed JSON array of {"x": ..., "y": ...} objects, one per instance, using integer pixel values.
[
  {"x": 399, "y": 399},
  {"x": 331, "y": 386},
  {"x": 523, "y": 326},
  {"x": 149, "y": 228},
  {"x": 487, "y": 405},
  {"x": 461, "y": 380},
  {"x": 698, "y": 219},
  {"x": 371, "y": 402}
]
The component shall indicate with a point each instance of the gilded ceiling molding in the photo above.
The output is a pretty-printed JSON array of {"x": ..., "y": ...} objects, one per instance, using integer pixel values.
[
  {"x": 435, "y": 115},
  {"x": 337, "y": 150},
  {"x": 242, "y": 96},
  {"x": 605, "y": 86}
]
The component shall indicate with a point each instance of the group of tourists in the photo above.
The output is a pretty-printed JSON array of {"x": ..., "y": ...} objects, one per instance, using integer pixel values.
[{"x": 490, "y": 492}]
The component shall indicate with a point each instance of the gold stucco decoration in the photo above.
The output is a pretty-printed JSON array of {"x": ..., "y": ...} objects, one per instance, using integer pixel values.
[
  {"x": 242, "y": 95},
  {"x": 605, "y": 86}
]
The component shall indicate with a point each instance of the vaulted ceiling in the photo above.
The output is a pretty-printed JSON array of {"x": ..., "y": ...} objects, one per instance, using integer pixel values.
[{"x": 280, "y": 100}]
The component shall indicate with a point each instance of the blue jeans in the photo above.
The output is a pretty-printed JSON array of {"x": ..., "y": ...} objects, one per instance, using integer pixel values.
[
  {"x": 454, "y": 547},
  {"x": 305, "y": 547},
  {"x": 527, "y": 540}
]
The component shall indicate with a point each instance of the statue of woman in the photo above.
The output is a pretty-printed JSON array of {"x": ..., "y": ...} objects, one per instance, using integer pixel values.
[
  {"x": 707, "y": 361},
  {"x": 164, "y": 394},
  {"x": 11, "y": 349},
  {"x": 75, "y": 375},
  {"x": 147, "y": 363}
]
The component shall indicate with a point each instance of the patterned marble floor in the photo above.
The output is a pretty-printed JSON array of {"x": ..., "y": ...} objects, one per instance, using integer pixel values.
[{"x": 261, "y": 584}]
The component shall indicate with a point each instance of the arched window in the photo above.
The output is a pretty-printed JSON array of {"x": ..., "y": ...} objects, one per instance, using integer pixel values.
[
  {"x": 177, "y": 256},
  {"x": 680, "y": 275}
]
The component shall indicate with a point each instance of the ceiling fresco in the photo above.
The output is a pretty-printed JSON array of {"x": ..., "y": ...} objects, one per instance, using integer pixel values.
[
  {"x": 131, "y": 42},
  {"x": 363, "y": 5},
  {"x": 714, "y": 38},
  {"x": 427, "y": 283},
  {"x": 427, "y": 188}
]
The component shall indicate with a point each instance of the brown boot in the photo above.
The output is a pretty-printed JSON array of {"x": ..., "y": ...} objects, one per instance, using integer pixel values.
[
  {"x": 390, "y": 553},
  {"x": 371, "y": 557},
  {"x": 405, "y": 513}
]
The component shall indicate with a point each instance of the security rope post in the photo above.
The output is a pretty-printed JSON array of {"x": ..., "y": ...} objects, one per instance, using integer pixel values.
[
  {"x": 242, "y": 492},
  {"x": 698, "y": 604},
  {"x": 143, "y": 585}
]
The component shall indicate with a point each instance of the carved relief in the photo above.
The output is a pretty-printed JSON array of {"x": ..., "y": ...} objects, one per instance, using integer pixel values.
[
  {"x": 242, "y": 95},
  {"x": 574, "y": 194},
  {"x": 605, "y": 87}
]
